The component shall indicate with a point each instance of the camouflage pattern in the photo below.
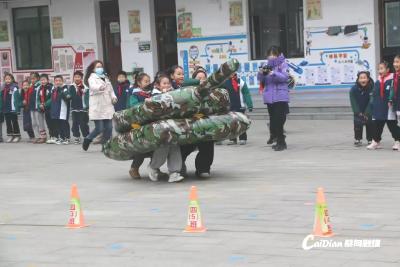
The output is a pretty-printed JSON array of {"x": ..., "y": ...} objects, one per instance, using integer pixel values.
[
  {"x": 179, "y": 131},
  {"x": 178, "y": 104}
]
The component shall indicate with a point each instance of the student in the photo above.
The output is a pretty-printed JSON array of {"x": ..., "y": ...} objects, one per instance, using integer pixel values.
[
  {"x": 10, "y": 104},
  {"x": 138, "y": 95},
  {"x": 171, "y": 152},
  {"x": 59, "y": 110},
  {"x": 382, "y": 111},
  {"x": 26, "y": 91},
  {"x": 394, "y": 100},
  {"x": 1, "y": 123},
  {"x": 205, "y": 156},
  {"x": 275, "y": 78},
  {"x": 79, "y": 107},
  {"x": 176, "y": 74},
  {"x": 101, "y": 103},
  {"x": 43, "y": 105},
  {"x": 38, "y": 123},
  {"x": 360, "y": 99},
  {"x": 240, "y": 99},
  {"x": 122, "y": 91}
]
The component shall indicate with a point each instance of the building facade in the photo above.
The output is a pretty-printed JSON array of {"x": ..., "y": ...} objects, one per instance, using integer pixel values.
[{"x": 326, "y": 42}]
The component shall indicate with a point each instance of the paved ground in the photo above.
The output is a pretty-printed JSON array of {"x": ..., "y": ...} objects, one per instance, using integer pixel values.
[{"x": 258, "y": 206}]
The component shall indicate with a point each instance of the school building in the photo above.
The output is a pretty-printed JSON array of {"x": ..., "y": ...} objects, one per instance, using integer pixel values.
[{"x": 326, "y": 42}]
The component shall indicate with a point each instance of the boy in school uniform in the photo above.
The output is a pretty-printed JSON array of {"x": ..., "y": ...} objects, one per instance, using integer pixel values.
[
  {"x": 59, "y": 110},
  {"x": 79, "y": 107},
  {"x": 122, "y": 90},
  {"x": 43, "y": 114}
]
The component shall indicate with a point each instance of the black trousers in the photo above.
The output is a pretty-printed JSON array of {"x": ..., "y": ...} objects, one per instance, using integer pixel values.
[
  {"x": 61, "y": 128},
  {"x": 80, "y": 120},
  {"x": 12, "y": 124},
  {"x": 393, "y": 128},
  {"x": 359, "y": 127},
  {"x": 278, "y": 112},
  {"x": 50, "y": 124},
  {"x": 271, "y": 127},
  {"x": 205, "y": 157},
  {"x": 27, "y": 123}
]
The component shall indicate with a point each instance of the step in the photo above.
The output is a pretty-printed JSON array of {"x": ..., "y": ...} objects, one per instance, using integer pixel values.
[{"x": 308, "y": 116}]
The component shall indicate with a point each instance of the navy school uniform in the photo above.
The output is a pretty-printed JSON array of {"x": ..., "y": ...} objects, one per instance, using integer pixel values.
[
  {"x": 122, "y": 91},
  {"x": 26, "y": 112},
  {"x": 59, "y": 111},
  {"x": 381, "y": 113},
  {"x": 360, "y": 99},
  {"x": 10, "y": 104},
  {"x": 79, "y": 109}
]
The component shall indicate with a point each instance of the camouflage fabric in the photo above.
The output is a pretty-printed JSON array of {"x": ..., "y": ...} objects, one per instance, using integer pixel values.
[
  {"x": 178, "y": 104},
  {"x": 179, "y": 131}
]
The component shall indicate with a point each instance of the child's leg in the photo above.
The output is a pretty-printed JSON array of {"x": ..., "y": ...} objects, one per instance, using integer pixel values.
[
  {"x": 75, "y": 124},
  {"x": 42, "y": 127},
  {"x": 370, "y": 130},
  {"x": 174, "y": 162},
  {"x": 67, "y": 129},
  {"x": 9, "y": 124},
  {"x": 55, "y": 124},
  {"x": 379, "y": 125},
  {"x": 35, "y": 125},
  {"x": 84, "y": 123},
  {"x": 394, "y": 129},
  {"x": 358, "y": 128},
  {"x": 160, "y": 156},
  {"x": 243, "y": 137},
  {"x": 15, "y": 125},
  {"x": 138, "y": 161}
]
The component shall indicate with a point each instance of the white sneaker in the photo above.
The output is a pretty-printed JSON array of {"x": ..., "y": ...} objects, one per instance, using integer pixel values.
[
  {"x": 232, "y": 143},
  {"x": 51, "y": 140},
  {"x": 175, "y": 177},
  {"x": 10, "y": 139},
  {"x": 65, "y": 142},
  {"x": 153, "y": 174},
  {"x": 242, "y": 142},
  {"x": 396, "y": 146},
  {"x": 16, "y": 139},
  {"x": 77, "y": 140},
  {"x": 374, "y": 145},
  {"x": 58, "y": 141}
]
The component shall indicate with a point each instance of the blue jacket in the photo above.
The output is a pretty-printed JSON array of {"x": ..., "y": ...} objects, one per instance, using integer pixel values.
[
  {"x": 122, "y": 91},
  {"x": 10, "y": 101},
  {"x": 361, "y": 98},
  {"x": 60, "y": 103},
  {"x": 380, "y": 100}
]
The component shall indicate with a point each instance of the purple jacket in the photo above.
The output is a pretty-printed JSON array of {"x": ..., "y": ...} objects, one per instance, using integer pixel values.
[{"x": 276, "y": 84}]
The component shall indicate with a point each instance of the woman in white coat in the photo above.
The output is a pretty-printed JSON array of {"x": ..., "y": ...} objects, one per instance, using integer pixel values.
[{"x": 101, "y": 102}]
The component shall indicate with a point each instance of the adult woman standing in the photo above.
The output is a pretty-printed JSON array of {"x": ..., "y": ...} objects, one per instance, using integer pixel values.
[
  {"x": 274, "y": 75},
  {"x": 101, "y": 102},
  {"x": 205, "y": 156}
]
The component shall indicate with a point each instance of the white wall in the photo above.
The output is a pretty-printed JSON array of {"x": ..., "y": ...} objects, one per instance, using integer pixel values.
[{"x": 129, "y": 41}]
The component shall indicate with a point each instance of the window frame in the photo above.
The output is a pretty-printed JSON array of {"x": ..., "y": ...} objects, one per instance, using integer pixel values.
[
  {"x": 15, "y": 34},
  {"x": 252, "y": 39}
]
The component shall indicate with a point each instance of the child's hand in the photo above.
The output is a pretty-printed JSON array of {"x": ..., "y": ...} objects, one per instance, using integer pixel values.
[
  {"x": 24, "y": 102},
  {"x": 390, "y": 104},
  {"x": 147, "y": 100},
  {"x": 41, "y": 106},
  {"x": 114, "y": 100}
]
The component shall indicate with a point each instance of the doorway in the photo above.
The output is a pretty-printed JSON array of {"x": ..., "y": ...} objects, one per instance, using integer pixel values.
[
  {"x": 111, "y": 37},
  {"x": 389, "y": 13},
  {"x": 165, "y": 15}
]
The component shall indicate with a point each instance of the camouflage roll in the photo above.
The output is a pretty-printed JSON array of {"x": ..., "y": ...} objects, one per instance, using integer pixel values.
[
  {"x": 179, "y": 131},
  {"x": 176, "y": 104}
]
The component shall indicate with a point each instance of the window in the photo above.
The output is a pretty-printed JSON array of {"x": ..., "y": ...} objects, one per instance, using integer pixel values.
[
  {"x": 276, "y": 22},
  {"x": 392, "y": 24},
  {"x": 32, "y": 37}
]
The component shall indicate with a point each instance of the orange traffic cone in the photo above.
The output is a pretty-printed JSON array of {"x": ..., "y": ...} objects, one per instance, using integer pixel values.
[
  {"x": 322, "y": 224},
  {"x": 75, "y": 211},
  {"x": 195, "y": 221}
]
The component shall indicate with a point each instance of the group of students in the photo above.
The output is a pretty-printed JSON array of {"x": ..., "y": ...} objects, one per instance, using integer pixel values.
[
  {"x": 376, "y": 104},
  {"x": 92, "y": 97},
  {"x": 44, "y": 104}
]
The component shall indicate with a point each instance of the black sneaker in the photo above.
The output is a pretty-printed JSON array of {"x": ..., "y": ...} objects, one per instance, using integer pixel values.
[
  {"x": 86, "y": 144},
  {"x": 271, "y": 140},
  {"x": 358, "y": 143}
]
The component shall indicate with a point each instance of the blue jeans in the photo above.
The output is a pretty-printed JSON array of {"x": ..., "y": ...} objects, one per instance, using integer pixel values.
[{"x": 101, "y": 126}]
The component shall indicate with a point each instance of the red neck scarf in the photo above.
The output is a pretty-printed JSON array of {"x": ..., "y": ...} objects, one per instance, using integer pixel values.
[
  {"x": 382, "y": 86},
  {"x": 55, "y": 94},
  {"x": 235, "y": 84},
  {"x": 42, "y": 94},
  {"x": 80, "y": 89}
]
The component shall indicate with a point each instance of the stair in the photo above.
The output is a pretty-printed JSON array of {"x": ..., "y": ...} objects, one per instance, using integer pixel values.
[{"x": 308, "y": 113}]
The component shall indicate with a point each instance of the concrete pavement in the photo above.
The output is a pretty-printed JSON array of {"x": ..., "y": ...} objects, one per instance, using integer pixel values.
[{"x": 258, "y": 207}]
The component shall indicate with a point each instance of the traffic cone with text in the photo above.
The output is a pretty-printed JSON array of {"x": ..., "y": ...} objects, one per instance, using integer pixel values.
[
  {"x": 194, "y": 220},
  {"x": 322, "y": 224},
  {"x": 76, "y": 219}
]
